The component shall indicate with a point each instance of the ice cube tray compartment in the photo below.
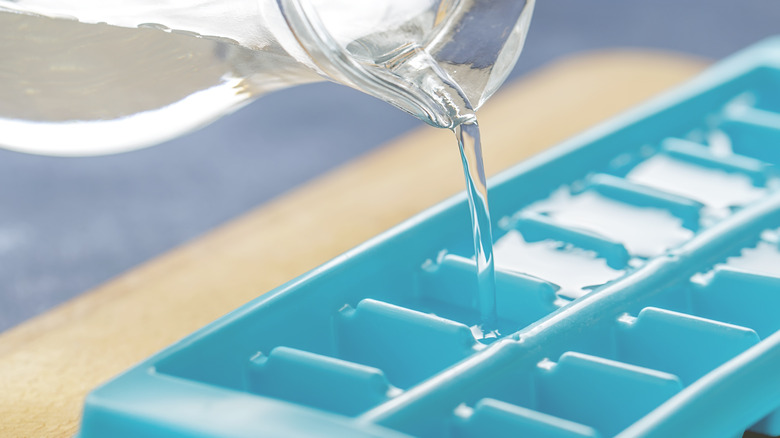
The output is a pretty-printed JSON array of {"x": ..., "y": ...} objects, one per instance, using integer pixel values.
[{"x": 636, "y": 296}]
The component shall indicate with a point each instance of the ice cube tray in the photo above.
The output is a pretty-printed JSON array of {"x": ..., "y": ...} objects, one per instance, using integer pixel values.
[{"x": 638, "y": 295}]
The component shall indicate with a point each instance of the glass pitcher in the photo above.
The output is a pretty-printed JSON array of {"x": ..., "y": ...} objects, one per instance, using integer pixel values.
[{"x": 82, "y": 77}]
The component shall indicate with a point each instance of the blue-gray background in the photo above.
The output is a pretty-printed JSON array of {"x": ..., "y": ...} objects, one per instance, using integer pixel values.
[{"x": 67, "y": 225}]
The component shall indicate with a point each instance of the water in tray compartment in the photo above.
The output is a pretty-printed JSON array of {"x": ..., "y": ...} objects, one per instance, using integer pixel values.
[
  {"x": 715, "y": 188},
  {"x": 644, "y": 231},
  {"x": 574, "y": 270}
]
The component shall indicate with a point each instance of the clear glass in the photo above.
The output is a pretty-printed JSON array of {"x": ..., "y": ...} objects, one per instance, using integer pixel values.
[{"x": 82, "y": 77}]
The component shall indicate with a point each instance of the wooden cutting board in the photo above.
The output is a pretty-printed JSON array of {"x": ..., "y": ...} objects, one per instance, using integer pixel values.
[{"x": 48, "y": 364}]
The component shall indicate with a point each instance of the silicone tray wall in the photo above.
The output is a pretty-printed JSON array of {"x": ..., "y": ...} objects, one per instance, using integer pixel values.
[{"x": 638, "y": 295}]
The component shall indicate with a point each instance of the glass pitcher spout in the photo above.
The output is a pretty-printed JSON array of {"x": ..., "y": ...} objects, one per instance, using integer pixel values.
[
  {"x": 439, "y": 68},
  {"x": 88, "y": 77}
]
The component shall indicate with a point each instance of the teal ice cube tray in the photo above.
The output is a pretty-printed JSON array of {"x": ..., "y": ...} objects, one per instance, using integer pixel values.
[{"x": 638, "y": 295}]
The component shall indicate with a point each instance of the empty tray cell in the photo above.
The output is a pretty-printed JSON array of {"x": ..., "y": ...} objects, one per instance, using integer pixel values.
[
  {"x": 681, "y": 344},
  {"x": 219, "y": 357},
  {"x": 714, "y": 187},
  {"x": 623, "y": 190},
  {"x": 764, "y": 95},
  {"x": 644, "y": 231},
  {"x": 740, "y": 298},
  {"x": 575, "y": 270},
  {"x": 755, "y": 134},
  {"x": 451, "y": 282},
  {"x": 760, "y": 106},
  {"x": 723, "y": 403},
  {"x": 409, "y": 346},
  {"x": 601, "y": 393},
  {"x": 494, "y": 418},
  {"x": 536, "y": 226},
  {"x": 318, "y": 381}
]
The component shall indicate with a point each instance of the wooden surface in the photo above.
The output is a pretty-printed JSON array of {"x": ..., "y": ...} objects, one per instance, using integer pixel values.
[{"x": 48, "y": 364}]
